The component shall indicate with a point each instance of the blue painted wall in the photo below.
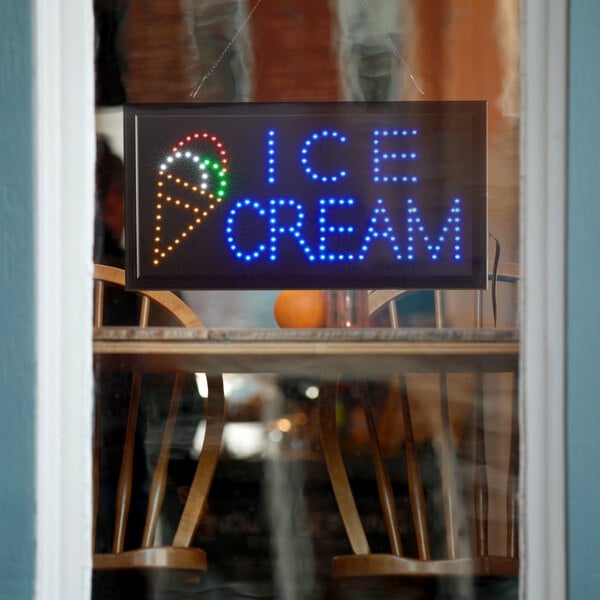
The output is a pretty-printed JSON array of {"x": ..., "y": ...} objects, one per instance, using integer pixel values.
[
  {"x": 17, "y": 365},
  {"x": 583, "y": 303}
]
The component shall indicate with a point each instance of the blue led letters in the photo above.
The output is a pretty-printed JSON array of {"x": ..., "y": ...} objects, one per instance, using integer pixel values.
[
  {"x": 287, "y": 216},
  {"x": 315, "y": 195}
]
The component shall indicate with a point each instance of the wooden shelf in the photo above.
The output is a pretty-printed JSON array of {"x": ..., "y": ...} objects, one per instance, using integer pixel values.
[{"x": 367, "y": 352}]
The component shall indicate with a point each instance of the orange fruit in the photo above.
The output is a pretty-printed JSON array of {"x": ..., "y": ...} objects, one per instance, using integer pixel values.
[{"x": 300, "y": 308}]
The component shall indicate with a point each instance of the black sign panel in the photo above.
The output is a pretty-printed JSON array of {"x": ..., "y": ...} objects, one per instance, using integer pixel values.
[{"x": 311, "y": 195}]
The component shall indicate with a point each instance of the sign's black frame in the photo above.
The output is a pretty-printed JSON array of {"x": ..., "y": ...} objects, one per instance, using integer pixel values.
[{"x": 145, "y": 123}]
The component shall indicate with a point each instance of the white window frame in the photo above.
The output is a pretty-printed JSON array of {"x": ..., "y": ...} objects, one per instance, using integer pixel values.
[
  {"x": 65, "y": 146},
  {"x": 543, "y": 251},
  {"x": 65, "y": 153}
]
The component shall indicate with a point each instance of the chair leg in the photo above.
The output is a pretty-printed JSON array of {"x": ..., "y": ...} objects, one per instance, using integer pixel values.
[{"x": 481, "y": 482}]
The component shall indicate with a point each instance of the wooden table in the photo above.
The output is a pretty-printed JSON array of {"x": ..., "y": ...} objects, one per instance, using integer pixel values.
[{"x": 370, "y": 352}]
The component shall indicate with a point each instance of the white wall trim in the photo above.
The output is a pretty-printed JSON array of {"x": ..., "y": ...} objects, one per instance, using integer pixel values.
[
  {"x": 65, "y": 148},
  {"x": 543, "y": 210}
]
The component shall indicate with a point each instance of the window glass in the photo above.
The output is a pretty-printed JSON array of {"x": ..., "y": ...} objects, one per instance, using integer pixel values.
[{"x": 422, "y": 383}]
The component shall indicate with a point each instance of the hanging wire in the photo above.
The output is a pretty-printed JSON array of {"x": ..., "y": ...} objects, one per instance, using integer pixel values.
[
  {"x": 394, "y": 49},
  {"x": 197, "y": 87},
  {"x": 389, "y": 42}
]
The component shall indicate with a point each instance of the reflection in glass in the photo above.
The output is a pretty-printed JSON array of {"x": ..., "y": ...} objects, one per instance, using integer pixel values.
[{"x": 273, "y": 524}]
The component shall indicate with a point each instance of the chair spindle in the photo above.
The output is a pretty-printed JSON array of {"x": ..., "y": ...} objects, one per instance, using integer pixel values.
[
  {"x": 124, "y": 487},
  {"x": 512, "y": 501},
  {"x": 159, "y": 479},
  {"x": 337, "y": 470},
  {"x": 98, "y": 321},
  {"x": 384, "y": 486},
  {"x": 449, "y": 486},
  {"x": 98, "y": 303},
  {"x": 415, "y": 483},
  {"x": 481, "y": 483},
  {"x": 198, "y": 495}
]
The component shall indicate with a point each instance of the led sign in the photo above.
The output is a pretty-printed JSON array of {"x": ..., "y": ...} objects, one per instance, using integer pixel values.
[{"x": 317, "y": 195}]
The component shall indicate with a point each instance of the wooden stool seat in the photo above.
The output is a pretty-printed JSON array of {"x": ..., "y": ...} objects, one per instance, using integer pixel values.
[
  {"x": 157, "y": 557},
  {"x": 390, "y": 566}
]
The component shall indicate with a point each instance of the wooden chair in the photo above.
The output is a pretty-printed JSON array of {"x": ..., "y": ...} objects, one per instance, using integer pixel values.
[
  {"x": 467, "y": 554},
  {"x": 111, "y": 302}
]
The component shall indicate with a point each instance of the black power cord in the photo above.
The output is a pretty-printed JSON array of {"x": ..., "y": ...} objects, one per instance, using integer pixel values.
[{"x": 495, "y": 275}]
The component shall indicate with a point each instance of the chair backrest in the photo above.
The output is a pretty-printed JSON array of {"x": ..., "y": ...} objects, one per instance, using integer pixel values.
[
  {"x": 496, "y": 306},
  {"x": 120, "y": 439},
  {"x": 454, "y": 415}
]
